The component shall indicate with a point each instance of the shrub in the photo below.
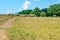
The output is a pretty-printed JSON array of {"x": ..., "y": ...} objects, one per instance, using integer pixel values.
[{"x": 43, "y": 14}]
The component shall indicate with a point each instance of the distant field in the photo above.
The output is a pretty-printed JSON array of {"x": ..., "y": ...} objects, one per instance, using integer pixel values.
[{"x": 35, "y": 28}]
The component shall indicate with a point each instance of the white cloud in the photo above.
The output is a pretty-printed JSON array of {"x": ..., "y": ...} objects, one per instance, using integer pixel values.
[{"x": 26, "y": 5}]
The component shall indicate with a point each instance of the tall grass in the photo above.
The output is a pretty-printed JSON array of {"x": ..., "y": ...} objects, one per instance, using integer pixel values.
[
  {"x": 35, "y": 28},
  {"x": 3, "y": 19}
]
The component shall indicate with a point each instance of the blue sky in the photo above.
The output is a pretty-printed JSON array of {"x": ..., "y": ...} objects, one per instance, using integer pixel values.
[{"x": 12, "y": 6}]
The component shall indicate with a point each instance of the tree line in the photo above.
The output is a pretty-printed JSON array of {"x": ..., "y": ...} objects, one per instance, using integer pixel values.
[{"x": 53, "y": 10}]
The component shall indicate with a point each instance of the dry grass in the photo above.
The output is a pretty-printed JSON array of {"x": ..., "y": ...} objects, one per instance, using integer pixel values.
[
  {"x": 3, "y": 19},
  {"x": 3, "y": 26},
  {"x": 35, "y": 28}
]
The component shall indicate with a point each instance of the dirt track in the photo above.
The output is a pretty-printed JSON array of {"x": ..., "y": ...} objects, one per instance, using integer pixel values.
[{"x": 3, "y": 32}]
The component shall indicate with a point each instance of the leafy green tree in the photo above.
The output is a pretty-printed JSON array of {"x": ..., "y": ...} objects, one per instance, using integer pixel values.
[
  {"x": 58, "y": 13},
  {"x": 54, "y": 9},
  {"x": 46, "y": 11},
  {"x": 43, "y": 14},
  {"x": 25, "y": 12},
  {"x": 36, "y": 11}
]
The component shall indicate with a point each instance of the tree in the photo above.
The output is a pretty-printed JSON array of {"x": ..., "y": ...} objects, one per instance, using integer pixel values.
[
  {"x": 25, "y": 12},
  {"x": 54, "y": 9},
  {"x": 58, "y": 13},
  {"x": 45, "y": 10},
  {"x": 43, "y": 14},
  {"x": 36, "y": 11}
]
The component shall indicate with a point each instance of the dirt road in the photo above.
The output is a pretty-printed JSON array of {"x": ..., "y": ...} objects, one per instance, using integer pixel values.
[{"x": 3, "y": 32}]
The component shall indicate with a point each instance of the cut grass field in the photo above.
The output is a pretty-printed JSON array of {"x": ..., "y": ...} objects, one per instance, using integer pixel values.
[{"x": 35, "y": 28}]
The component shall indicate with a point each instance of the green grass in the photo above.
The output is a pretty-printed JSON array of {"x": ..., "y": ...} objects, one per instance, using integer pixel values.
[{"x": 35, "y": 28}]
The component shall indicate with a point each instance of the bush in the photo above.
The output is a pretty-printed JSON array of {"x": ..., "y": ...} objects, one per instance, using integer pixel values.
[
  {"x": 38, "y": 14},
  {"x": 43, "y": 14}
]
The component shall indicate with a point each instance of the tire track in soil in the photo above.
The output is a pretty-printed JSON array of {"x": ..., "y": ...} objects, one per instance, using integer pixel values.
[{"x": 3, "y": 31}]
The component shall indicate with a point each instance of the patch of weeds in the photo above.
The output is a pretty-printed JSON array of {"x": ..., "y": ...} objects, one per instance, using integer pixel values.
[
  {"x": 50, "y": 36},
  {"x": 33, "y": 36},
  {"x": 56, "y": 27}
]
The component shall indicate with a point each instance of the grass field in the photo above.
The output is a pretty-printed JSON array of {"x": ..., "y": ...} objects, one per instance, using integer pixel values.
[
  {"x": 4, "y": 19},
  {"x": 35, "y": 28}
]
